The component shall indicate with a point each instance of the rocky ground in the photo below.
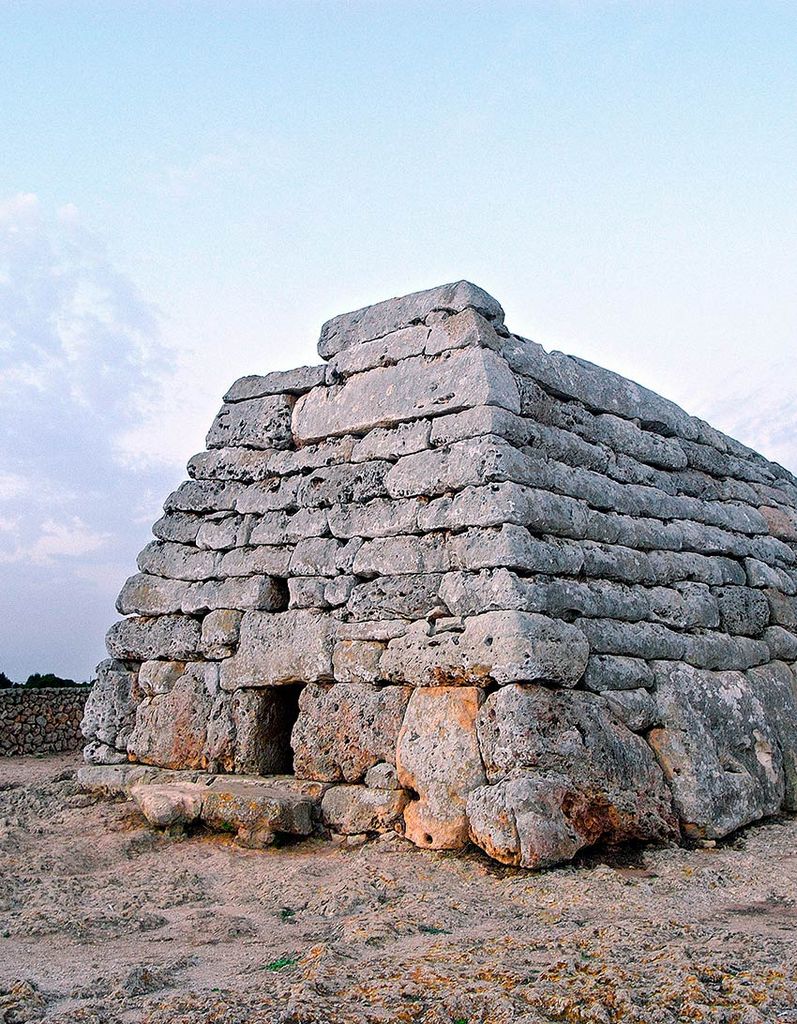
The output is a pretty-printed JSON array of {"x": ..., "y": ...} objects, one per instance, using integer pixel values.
[{"x": 104, "y": 920}]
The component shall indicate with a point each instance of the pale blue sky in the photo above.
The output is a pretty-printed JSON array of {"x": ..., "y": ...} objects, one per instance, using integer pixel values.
[{"x": 188, "y": 190}]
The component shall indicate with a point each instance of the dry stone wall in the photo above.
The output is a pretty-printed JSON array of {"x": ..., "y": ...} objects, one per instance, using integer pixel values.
[
  {"x": 41, "y": 721},
  {"x": 529, "y": 602}
]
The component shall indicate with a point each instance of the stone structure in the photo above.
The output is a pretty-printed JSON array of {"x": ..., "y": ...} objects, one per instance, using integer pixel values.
[
  {"x": 41, "y": 721},
  {"x": 452, "y": 584}
]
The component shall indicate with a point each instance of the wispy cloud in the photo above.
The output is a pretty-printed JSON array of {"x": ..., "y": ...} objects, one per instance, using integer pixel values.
[{"x": 82, "y": 366}]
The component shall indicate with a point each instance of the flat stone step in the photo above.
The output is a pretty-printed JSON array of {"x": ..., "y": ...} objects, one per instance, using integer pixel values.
[{"x": 255, "y": 808}]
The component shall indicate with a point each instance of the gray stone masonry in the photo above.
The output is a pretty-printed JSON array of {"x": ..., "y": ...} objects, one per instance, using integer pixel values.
[
  {"x": 41, "y": 721},
  {"x": 466, "y": 589}
]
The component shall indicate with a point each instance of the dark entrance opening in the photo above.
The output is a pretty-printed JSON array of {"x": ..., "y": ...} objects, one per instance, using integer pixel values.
[{"x": 274, "y": 715}]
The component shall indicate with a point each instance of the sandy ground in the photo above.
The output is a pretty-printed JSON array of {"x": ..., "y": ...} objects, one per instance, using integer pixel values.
[{"x": 104, "y": 920}]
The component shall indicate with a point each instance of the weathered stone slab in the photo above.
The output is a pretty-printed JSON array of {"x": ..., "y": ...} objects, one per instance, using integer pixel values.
[
  {"x": 324, "y": 556},
  {"x": 222, "y": 533},
  {"x": 233, "y": 464},
  {"x": 110, "y": 710},
  {"x": 344, "y": 729},
  {"x": 257, "y": 560},
  {"x": 268, "y": 654},
  {"x": 204, "y": 496},
  {"x": 615, "y": 672},
  {"x": 502, "y": 503},
  {"x": 140, "y": 638},
  {"x": 143, "y": 594},
  {"x": 500, "y": 647},
  {"x": 355, "y": 810},
  {"x": 168, "y": 805},
  {"x": 288, "y": 527},
  {"x": 463, "y": 330},
  {"x": 178, "y": 561},
  {"x": 568, "y": 773},
  {"x": 220, "y": 629},
  {"x": 375, "y": 321},
  {"x": 438, "y": 761},
  {"x": 384, "y": 351},
  {"x": 394, "y": 442},
  {"x": 260, "y": 593},
  {"x": 338, "y": 485},
  {"x": 381, "y": 517},
  {"x": 717, "y": 748},
  {"x": 410, "y": 390},
  {"x": 357, "y": 661},
  {"x": 399, "y": 556},
  {"x": 256, "y": 811},
  {"x": 171, "y": 727},
  {"x": 255, "y": 423},
  {"x": 513, "y": 547},
  {"x": 280, "y": 382},
  {"x": 472, "y": 463},
  {"x": 411, "y": 596}
]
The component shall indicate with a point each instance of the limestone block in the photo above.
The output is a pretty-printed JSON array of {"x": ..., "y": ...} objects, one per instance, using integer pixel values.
[
  {"x": 336, "y": 485},
  {"x": 288, "y": 527},
  {"x": 357, "y": 661},
  {"x": 375, "y": 321},
  {"x": 257, "y": 560},
  {"x": 438, "y": 761},
  {"x": 270, "y": 495},
  {"x": 254, "y": 423},
  {"x": 225, "y": 532},
  {"x": 781, "y": 522},
  {"x": 170, "y": 804},
  {"x": 684, "y": 606},
  {"x": 717, "y": 748},
  {"x": 332, "y": 452},
  {"x": 181, "y": 527},
  {"x": 156, "y": 677},
  {"x": 782, "y": 609},
  {"x": 110, "y": 709},
  {"x": 171, "y": 727},
  {"x": 590, "y": 778},
  {"x": 338, "y": 590},
  {"x": 409, "y": 596},
  {"x": 394, "y": 442},
  {"x": 256, "y": 811},
  {"x": 501, "y": 647},
  {"x": 220, "y": 630},
  {"x": 462, "y": 330},
  {"x": 178, "y": 561},
  {"x": 239, "y": 464},
  {"x": 513, "y": 547},
  {"x": 204, "y": 496},
  {"x": 521, "y": 821},
  {"x": 269, "y": 655},
  {"x": 280, "y": 382},
  {"x": 637, "y": 639},
  {"x": 501, "y": 503},
  {"x": 759, "y": 574},
  {"x": 399, "y": 556},
  {"x": 307, "y": 592},
  {"x": 139, "y": 638},
  {"x": 775, "y": 687},
  {"x": 382, "y": 776},
  {"x": 742, "y": 610},
  {"x": 636, "y": 709},
  {"x": 410, "y": 390},
  {"x": 344, "y": 729},
  {"x": 721, "y": 651},
  {"x": 381, "y": 517},
  {"x": 781, "y": 642},
  {"x": 324, "y": 556},
  {"x": 354, "y": 810},
  {"x": 374, "y": 629},
  {"x": 480, "y": 421},
  {"x": 261, "y": 593},
  {"x": 143, "y": 594},
  {"x": 385, "y": 351},
  {"x": 614, "y": 672},
  {"x": 471, "y": 463}
]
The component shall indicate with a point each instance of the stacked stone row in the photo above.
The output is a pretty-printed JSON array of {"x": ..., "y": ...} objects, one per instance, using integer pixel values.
[
  {"x": 440, "y": 509},
  {"x": 41, "y": 721}
]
